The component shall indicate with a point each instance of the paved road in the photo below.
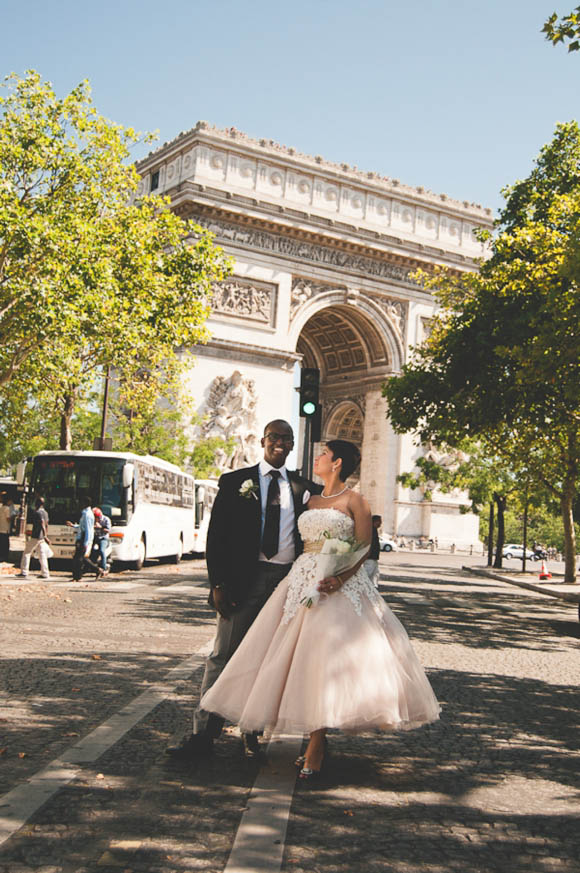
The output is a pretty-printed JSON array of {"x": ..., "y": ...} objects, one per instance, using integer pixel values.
[{"x": 494, "y": 786}]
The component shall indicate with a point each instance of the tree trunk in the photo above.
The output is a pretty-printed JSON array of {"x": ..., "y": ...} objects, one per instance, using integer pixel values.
[
  {"x": 490, "y": 536},
  {"x": 569, "y": 533},
  {"x": 501, "y": 504},
  {"x": 65, "y": 421}
]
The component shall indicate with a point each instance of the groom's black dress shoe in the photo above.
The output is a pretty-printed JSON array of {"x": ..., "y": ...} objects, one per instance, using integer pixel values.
[
  {"x": 251, "y": 746},
  {"x": 193, "y": 746}
]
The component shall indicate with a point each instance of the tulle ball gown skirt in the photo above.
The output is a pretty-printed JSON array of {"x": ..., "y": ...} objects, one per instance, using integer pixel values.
[{"x": 345, "y": 663}]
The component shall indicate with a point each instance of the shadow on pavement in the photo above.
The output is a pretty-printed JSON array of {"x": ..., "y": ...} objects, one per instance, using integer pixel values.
[{"x": 460, "y": 618}]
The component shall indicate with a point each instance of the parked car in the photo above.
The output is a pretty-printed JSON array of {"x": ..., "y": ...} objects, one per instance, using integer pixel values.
[
  {"x": 387, "y": 545},
  {"x": 511, "y": 550}
]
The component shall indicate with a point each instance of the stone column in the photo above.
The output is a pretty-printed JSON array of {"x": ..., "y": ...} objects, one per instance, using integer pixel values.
[{"x": 379, "y": 459}]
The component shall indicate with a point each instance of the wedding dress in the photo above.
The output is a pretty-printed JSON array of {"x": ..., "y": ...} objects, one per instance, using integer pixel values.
[{"x": 346, "y": 662}]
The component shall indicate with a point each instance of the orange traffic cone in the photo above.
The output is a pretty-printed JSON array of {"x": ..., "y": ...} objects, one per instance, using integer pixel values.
[{"x": 545, "y": 574}]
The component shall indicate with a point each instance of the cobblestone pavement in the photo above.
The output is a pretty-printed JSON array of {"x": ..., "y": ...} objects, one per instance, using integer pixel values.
[{"x": 494, "y": 786}]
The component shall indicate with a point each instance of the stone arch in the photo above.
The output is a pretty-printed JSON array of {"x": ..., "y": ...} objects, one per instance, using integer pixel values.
[
  {"x": 379, "y": 338},
  {"x": 345, "y": 421}
]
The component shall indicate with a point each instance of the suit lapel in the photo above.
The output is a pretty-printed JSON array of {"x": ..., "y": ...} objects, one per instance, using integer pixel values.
[
  {"x": 297, "y": 496},
  {"x": 297, "y": 491}
]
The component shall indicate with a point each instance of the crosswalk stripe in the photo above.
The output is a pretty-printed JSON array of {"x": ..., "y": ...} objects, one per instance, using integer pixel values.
[{"x": 259, "y": 842}]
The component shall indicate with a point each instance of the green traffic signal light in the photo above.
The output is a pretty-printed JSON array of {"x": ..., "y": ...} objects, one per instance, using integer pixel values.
[{"x": 309, "y": 408}]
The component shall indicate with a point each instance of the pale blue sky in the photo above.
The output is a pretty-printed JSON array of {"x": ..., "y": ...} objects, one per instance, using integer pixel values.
[{"x": 455, "y": 95}]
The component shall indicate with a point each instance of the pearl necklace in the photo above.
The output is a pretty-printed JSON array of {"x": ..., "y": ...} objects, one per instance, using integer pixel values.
[{"x": 328, "y": 496}]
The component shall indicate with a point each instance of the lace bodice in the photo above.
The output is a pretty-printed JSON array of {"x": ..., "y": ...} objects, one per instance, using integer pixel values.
[
  {"x": 313, "y": 523},
  {"x": 305, "y": 572}
]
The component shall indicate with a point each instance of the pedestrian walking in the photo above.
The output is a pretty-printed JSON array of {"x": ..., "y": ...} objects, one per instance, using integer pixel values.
[
  {"x": 102, "y": 533},
  {"x": 5, "y": 522},
  {"x": 38, "y": 542},
  {"x": 84, "y": 542}
]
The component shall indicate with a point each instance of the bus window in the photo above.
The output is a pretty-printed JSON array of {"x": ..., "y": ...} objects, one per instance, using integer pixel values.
[{"x": 112, "y": 489}]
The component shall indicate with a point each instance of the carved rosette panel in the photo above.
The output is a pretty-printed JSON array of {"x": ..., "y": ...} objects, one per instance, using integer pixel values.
[
  {"x": 304, "y": 289},
  {"x": 246, "y": 299}
]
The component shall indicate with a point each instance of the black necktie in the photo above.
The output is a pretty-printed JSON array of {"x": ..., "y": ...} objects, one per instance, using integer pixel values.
[{"x": 271, "y": 535}]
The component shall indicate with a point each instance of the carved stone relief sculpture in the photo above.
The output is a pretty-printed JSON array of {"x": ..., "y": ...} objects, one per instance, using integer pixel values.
[
  {"x": 303, "y": 290},
  {"x": 252, "y": 301},
  {"x": 231, "y": 414},
  {"x": 448, "y": 458},
  {"x": 396, "y": 313}
]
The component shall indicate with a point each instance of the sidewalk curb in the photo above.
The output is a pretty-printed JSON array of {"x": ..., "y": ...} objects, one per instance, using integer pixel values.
[{"x": 557, "y": 595}]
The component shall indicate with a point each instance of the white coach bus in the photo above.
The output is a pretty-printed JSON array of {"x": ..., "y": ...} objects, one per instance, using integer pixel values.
[{"x": 150, "y": 502}]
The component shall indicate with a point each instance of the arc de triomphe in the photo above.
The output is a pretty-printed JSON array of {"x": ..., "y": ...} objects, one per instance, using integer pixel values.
[{"x": 323, "y": 255}]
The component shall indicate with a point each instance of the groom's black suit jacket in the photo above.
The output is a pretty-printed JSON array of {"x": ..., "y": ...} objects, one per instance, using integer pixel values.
[{"x": 233, "y": 537}]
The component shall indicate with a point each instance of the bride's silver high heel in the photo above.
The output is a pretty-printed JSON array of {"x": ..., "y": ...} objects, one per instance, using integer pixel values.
[
  {"x": 308, "y": 774},
  {"x": 301, "y": 759}
]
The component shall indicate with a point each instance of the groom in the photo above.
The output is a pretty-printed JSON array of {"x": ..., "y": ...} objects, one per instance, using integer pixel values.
[{"x": 252, "y": 542}]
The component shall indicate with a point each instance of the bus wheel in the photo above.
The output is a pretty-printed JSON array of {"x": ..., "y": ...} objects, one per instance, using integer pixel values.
[
  {"x": 179, "y": 553},
  {"x": 141, "y": 554}
]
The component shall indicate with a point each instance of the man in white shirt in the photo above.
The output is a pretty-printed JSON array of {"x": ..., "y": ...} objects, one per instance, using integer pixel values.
[{"x": 251, "y": 544}]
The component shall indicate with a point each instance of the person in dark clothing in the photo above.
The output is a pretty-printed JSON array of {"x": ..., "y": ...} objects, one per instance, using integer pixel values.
[
  {"x": 37, "y": 543},
  {"x": 5, "y": 521},
  {"x": 372, "y": 561}
]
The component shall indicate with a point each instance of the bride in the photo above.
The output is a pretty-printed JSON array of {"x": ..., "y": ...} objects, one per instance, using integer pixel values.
[{"x": 344, "y": 662}]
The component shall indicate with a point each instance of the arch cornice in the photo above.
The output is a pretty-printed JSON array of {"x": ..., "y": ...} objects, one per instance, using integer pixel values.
[{"x": 361, "y": 302}]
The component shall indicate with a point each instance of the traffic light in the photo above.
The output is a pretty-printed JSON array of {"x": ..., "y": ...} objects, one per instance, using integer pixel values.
[{"x": 309, "y": 382}]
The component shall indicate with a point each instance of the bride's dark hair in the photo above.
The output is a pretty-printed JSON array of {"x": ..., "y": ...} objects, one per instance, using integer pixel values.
[{"x": 348, "y": 454}]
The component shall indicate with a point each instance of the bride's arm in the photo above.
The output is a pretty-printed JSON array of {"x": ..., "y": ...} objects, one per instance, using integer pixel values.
[{"x": 363, "y": 527}]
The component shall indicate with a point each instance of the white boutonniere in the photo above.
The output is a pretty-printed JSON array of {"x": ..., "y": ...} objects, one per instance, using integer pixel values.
[
  {"x": 248, "y": 489},
  {"x": 305, "y": 498}
]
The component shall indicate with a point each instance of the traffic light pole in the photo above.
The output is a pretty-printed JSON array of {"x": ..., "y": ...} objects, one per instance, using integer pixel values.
[{"x": 307, "y": 451}]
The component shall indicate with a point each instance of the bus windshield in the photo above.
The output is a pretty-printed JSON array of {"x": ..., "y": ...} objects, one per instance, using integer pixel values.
[{"x": 64, "y": 481}]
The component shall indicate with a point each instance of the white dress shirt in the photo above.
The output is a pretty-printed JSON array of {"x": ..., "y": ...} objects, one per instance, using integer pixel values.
[{"x": 287, "y": 551}]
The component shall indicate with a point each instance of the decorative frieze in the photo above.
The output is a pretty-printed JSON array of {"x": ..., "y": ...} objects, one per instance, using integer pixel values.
[
  {"x": 246, "y": 299},
  {"x": 301, "y": 250}
]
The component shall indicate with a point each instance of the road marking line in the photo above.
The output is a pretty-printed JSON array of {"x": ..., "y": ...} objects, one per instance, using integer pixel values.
[
  {"x": 19, "y": 804},
  {"x": 259, "y": 843}
]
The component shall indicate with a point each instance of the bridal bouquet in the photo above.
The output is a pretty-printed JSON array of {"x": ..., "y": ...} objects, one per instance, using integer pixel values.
[{"x": 335, "y": 556}]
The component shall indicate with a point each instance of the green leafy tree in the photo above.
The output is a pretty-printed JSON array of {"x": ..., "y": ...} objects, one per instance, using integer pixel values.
[
  {"x": 565, "y": 28},
  {"x": 152, "y": 414},
  {"x": 30, "y": 423},
  {"x": 502, "y": 361},
  {"x": 90, "y": 276},
  {"x": 204, "y": 456}
]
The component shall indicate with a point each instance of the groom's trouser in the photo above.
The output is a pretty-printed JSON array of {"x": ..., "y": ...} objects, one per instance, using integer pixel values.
[{"x": 229, "y": 634}]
